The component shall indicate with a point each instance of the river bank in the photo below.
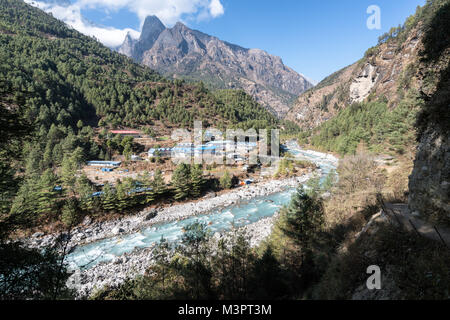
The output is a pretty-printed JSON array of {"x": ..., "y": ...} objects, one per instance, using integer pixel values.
[
  {"x": 135, "y": 263},
  {"x": 90, "y": 232}
]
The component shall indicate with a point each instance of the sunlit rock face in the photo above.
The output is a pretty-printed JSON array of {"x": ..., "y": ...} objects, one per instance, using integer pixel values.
[{"x": 363, "y": 84}]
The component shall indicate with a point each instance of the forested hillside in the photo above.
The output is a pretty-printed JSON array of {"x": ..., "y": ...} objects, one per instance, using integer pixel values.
[
  {"x": 69, "y": 84},
  {"x": 68, "y": 89}
]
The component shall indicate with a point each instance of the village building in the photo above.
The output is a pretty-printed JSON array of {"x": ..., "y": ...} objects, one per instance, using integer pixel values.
[
  {"x": 98, "y": 163},
  {"x": 127, "y": 133}
]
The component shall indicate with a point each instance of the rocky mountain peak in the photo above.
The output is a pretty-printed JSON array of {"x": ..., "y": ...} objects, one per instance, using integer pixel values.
[
  {"x": 182, "y": 52},
  {"x": 151, "y": 29},
  {"x": 127, "y": 47},
  {"x": 180, "y": 26}
]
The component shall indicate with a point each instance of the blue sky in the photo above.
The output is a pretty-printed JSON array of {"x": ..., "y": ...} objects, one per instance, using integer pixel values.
[{"x": 313, "y": 37}]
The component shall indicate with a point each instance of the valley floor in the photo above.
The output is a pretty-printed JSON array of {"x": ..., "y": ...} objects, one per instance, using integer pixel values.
[{"x": 131, "y": 264}]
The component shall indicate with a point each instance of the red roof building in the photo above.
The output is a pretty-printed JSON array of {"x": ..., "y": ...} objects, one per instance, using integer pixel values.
[{"x": 133, "y": 133}]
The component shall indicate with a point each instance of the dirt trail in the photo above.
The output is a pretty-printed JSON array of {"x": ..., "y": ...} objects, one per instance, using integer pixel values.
[{"x": 402, "y": 214}]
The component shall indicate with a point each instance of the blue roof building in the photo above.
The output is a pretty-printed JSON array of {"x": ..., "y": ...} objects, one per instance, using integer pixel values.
[{"x": 98, "y": 163}]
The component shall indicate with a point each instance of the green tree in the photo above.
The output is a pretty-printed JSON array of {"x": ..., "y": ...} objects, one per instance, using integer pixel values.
[
  {"x": 122, "y": 196},
  {"x": 68, "y": 173},
  {"x": 161, "y": 270},
  {"x": 197, "y": 180},
  {"x": 226, "y": 181},
  {"x": 127, "y": 151},
  {"x": 109, "y": 198},
  {"x": 70, "y": 212},
  {"x": 181, "y": 181},
  {"x": 303, "y": 219},
  {"x": 85, "y": 191},
  {"x": 233, "y": 267},
  {"x": 26, "y": 200},
  {"x": 158, "y": 184},
  {"x": 32, "y": 274},
  {"x": 269, "y": 280},
  {"x": 149, "y": 193},
  {"x": 46, "y": 194},
  {"x": 197, "y": 272},
  {"x": 80, "y": 125},
  {"x": 302, "y": 222}
]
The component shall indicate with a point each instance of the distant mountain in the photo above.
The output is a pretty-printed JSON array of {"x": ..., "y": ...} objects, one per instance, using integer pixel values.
[{"x": 184, "y": 53}]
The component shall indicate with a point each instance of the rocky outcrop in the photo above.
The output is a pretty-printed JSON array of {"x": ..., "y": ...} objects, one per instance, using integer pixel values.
[
  {"x": 127, "y": 47},
  {"x": 319, "y": 104},
  {"x": 363, "y": 83},
  {"x": 429, "y": 182},
  {"x": 184, "y": 53}
]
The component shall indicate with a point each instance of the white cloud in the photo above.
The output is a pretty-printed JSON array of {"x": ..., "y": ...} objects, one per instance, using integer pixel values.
[
  {"x": 216, "y": 8},
  {"x": 169, "y": 11}
]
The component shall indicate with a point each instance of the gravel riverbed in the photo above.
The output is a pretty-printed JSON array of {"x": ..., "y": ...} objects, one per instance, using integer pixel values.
[{"x": 135, "y": 263}]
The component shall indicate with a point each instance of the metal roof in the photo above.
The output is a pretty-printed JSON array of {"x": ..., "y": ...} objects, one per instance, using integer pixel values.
[
  {"x": 125, "y": 131},
  {"x": 104, "y": 162}
]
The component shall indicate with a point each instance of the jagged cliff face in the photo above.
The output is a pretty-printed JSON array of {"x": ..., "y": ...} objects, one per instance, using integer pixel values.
[
  {"x": 185, "y": 53},
  {"x": 377, "y": 74},
  {"x": 429, "y": 183}
]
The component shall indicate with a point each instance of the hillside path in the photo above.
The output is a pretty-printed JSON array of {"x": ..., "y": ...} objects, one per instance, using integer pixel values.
[{"x": 401, "y": 213}]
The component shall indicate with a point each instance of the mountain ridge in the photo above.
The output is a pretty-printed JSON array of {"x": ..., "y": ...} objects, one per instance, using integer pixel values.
[{"x": 181, "y": 52}]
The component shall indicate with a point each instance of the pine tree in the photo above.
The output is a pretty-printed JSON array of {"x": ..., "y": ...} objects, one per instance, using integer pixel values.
[
  {"x": 85, "y": 190},
  {"x": 158, "y": 184},
  {"x": 226, "y": 181},
  {"x": 127, "y": 151},
  {"x": 197, "y": 272},
  {"x": 122, "y": 198},
  {"x": 70, "y": 212},
  {"x": 197, "y": 180},
  {"x": 109, "y": 198},
  {"x": 26, "y": 200},
  {"x": 268, "y": 281},
  {"x": 131, "y": 192},
  {"x": 233, "y": 265},
  {"x": 162, "y": 264},
  {"x": 149, "y": 193},
  {"x": 303, "y": 219},
  {"x": 46, "y": 193},
  {"x": 181, "y": 181},
  {"x": 80, "y": 125},
  {"x": 68, "y": 174}
]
